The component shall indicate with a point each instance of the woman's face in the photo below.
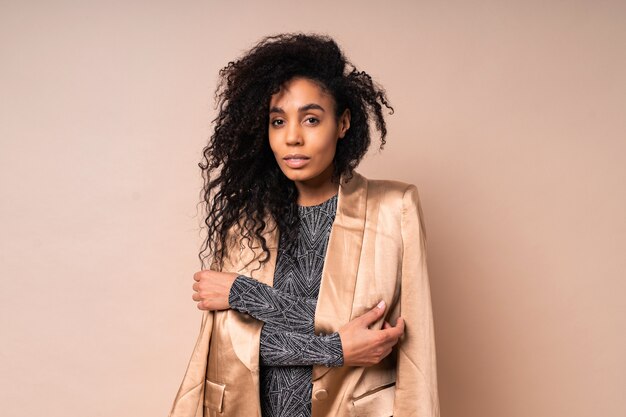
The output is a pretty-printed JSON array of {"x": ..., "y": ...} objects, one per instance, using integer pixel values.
[{"x": 303, "y": 131}]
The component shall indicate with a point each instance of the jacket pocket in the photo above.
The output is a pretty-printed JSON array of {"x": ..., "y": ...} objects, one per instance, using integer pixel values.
[
  {"x": 214, "y": 395},
  {"x": 375, "y": 403}
]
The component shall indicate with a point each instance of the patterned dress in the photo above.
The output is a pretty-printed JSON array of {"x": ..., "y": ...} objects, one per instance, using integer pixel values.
[{"x": 289, "y": 346}]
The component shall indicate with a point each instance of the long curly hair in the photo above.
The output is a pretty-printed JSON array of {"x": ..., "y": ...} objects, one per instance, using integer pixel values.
[{"x": 245, "y": 192}]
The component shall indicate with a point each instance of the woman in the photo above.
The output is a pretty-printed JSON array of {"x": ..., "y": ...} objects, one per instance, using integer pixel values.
[{"x": 310, "y": 261}]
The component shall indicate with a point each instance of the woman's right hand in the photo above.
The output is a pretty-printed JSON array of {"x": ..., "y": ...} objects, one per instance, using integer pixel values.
[{"x": 363, "y": 346}]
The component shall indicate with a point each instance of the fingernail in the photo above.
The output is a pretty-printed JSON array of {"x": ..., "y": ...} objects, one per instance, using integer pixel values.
[{"x": 381, "y": 304}]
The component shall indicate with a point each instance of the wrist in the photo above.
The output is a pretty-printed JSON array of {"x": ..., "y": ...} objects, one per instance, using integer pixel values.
[
  {"x": 235, "y": 290},
  {"x": 334, "y": 350},
  {"x": 240, "y": 289}
]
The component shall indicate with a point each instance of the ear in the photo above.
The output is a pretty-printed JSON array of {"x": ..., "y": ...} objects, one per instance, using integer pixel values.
[{"x": 344, "y": 123}]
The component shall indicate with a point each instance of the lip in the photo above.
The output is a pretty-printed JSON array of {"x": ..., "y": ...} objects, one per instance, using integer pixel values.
[{"x": 296, "y": 160}]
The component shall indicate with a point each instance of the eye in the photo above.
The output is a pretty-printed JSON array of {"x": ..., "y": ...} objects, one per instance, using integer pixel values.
[
  {"x": 312, "y": 120},
  {"x": 276, "y": 122}
]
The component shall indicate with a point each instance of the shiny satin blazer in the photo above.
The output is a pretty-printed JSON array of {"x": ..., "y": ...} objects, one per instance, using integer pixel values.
[{"x": 376, "y": 250}]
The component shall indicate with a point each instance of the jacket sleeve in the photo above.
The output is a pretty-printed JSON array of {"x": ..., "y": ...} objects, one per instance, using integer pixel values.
[{"x": 416, "y": 393}]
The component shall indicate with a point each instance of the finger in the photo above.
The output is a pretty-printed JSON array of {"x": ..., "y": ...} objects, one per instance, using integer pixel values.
[
  {"x": 196, "y": 297},
  {"x": 399, "y": 327},
  {"x": 195, "y": 286},
  {"x": 196, "y": 276},
  {"x": 392, "y": 341},
  {"x": 400, "y": 323},
  {"x": 387, "y": 352},
  {"x": 374, "y": 314},
  {"x": 397, "y": 331}
]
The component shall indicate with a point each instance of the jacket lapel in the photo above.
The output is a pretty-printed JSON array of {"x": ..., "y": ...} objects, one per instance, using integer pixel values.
[{"x": 334, "y": 303}]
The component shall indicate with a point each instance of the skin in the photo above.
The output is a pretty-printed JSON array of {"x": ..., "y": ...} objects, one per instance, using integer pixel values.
[{"x": 302, "y": 121}]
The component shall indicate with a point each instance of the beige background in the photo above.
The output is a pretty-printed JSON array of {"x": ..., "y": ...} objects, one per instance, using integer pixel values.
[{"x": 509, "y": 118}]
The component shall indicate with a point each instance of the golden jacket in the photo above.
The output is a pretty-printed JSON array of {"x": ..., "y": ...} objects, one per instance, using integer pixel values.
[{"x": 376, "y": 250}]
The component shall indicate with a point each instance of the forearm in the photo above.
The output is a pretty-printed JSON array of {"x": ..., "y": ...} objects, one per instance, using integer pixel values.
[
  {"x": 282, "y": 311},
  {"x": 285, "y": 348},
  {"x": 287, "y": 337}
]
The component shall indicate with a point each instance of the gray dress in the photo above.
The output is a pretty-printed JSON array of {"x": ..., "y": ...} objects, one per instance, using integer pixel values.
[{"x": 289, "y": 346}]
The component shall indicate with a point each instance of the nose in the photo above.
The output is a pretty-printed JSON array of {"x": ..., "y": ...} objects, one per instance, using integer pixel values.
[{"x": 294, "y": 134}]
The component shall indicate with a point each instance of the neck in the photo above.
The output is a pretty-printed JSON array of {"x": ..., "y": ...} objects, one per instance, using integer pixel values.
[{"x": 317, "y": 190}]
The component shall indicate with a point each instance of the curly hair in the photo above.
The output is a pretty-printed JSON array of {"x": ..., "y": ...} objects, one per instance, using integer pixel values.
[{"x": 244, "y": 188}]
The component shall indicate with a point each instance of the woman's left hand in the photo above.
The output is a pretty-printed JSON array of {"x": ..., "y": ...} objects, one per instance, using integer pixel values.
[{"x": 211, "y": 289}]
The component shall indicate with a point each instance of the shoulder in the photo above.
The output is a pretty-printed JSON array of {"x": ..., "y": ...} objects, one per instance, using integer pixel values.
[{"x": 399, "y": 194}]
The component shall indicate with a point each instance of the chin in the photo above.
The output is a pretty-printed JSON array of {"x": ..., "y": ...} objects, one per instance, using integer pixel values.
[{"x": 297, "y": 174}]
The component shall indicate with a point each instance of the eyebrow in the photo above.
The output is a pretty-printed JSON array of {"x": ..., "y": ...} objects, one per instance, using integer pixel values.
[{"x": 306, "y": 107}]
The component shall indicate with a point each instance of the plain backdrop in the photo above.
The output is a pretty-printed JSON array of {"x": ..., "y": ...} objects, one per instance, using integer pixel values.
[{"x": 510, "y": 119}]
